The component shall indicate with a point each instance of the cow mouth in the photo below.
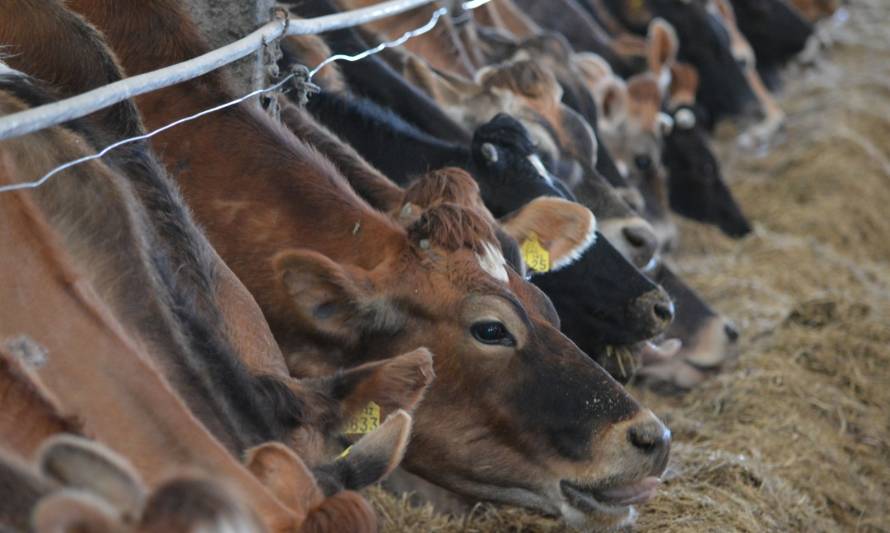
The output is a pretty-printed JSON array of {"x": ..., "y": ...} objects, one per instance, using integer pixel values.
[
  {"x": 629, "y": 358},
  {"x": 613, "y": 500}
]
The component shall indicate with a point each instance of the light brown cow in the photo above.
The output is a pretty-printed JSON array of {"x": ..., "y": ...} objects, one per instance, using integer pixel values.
[
  {"x": 149, "y": 425},
  {"x": 291, "y": 411},
  {"x": 341, "y": 283}
]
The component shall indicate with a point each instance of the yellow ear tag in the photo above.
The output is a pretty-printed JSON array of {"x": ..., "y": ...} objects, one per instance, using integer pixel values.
[
  {"x": 366, "y": 421},
  {"x": 536, "y": 256}
]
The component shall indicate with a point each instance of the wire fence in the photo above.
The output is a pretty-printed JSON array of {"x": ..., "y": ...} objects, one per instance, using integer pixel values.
[{"x": 38, "y": 118}]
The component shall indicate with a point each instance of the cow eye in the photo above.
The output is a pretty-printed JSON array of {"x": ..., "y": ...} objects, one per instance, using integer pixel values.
[
  {"x": 492, "y": 333},
  {"x": 643, "y": 161}
]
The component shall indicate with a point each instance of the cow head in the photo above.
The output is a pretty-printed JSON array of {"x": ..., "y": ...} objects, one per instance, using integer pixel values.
[
  {"x": 775, "y": 30},
  {"x": 708, "y": 339},
  {"x": 523, "y": 90},
  {"x": 501, "y": 363},
  {"x": 696, "y": 187},
  {"x": 773, "y": 116},
  {"x": 637, "y": 142},
  {"x": 705, "y": 43}
]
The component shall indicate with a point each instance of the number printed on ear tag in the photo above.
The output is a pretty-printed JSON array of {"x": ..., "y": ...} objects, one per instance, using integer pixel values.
[
  {"x": 366, "y": 421},
  {"x": 536, "y": 256}
]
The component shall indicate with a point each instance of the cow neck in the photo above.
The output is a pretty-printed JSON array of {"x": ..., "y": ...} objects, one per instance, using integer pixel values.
[{"x": 261, "y": 178}]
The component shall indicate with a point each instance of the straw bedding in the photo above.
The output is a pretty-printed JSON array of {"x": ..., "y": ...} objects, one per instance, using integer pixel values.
[{"x": 795, "y": 434}]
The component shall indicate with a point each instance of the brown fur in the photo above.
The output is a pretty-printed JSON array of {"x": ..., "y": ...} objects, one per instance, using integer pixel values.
[
  {"x": 28, "y": 412},
  {"x": 504, "y": 14},
  {"x": 196, "y": 504},
  {"x": 645, "y": 100},
  {"x": 369, "y": 290},
  {"x": 440, "y": 46},
  {"x": 149, "y": 424},
  {"x": 684, "y": 84},
  {"x": 449, "y": 184},
  {"x": 368, "y": 182},
  {"x": 240, "y": 316},
  {"x": 345, "y": 511},
  {"x": 452, "y": 227}
]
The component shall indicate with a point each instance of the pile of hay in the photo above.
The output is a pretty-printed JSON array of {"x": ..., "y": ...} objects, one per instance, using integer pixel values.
[{"x": 795, "y": 435}]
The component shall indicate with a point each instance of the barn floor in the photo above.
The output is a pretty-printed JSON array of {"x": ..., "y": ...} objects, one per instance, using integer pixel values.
[{"x": 795, "y": 435}]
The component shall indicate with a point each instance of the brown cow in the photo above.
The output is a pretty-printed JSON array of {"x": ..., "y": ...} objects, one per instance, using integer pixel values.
[
  {"x": 340, "y": 283},
  {"x": 399, "y": 383},
  {"x": 149, "y": 425}
]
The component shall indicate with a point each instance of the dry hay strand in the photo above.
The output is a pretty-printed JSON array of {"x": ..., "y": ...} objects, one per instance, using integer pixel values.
[{"x": 795, "y": 434}]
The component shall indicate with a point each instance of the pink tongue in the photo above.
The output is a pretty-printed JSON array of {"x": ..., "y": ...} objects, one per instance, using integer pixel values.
[
  {"x": 632, "y": 494},
  {"x": 654, "y": 354}
]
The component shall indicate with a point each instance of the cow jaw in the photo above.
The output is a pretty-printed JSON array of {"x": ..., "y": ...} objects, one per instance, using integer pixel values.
[{"x": 581, "y": 507}]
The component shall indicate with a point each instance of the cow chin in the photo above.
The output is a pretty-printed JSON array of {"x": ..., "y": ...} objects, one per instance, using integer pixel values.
[{"x": 579, "y": 508}]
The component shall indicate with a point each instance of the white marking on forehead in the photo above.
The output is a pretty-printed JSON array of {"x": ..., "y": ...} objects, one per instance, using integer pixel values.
[
  {"x": 664, "y": 80},
  {"x": 539, "y": 166},
  {"x": 622, "y": 168},
  {"x": 492, "y": 261}
]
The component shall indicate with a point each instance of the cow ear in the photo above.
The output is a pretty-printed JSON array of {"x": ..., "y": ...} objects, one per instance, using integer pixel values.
[
  {"x": 393, "y": 384},
  {"x": 592, "y": 68},
  {"x": 551, "y": 232},
  {"x": 74, "y": 510},
  {"x": 661, "y": 46},
  {"x": 327, "y": 299},
  {"x": 196, "y": 504},
  {"x": 613, "y": 99},
  {"x": 374, "y": 456},
  {"x": 445, "y": 91},
  {"x": 284, "y": 474},
  {"x": 83, "y": 464}
]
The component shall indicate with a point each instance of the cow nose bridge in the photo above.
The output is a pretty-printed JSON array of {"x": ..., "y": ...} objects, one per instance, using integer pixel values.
[
  {"x": 651, "y": 438},
  {"x": 642, "y": 242}
]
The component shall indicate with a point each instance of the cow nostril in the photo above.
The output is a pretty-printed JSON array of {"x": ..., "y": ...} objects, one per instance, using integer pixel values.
[
  {"x": 650, "y": 437},
  {"x": 635, "y": 236},
  {"x": 664, "y": 311},
  {"x": 731, "y": 332}
]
